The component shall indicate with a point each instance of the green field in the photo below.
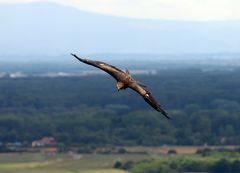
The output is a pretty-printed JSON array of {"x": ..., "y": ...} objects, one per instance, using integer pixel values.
[
  {"x": 63, "y": 163},
  {"x": 207, "y": 161}
]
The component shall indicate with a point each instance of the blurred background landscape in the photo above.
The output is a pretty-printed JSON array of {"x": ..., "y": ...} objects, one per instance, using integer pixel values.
[{"x": 58, "y": 115}]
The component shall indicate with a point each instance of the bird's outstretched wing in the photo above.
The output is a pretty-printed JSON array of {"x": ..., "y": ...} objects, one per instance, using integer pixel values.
[
  {"x": 140, "y": 89},
  {"x": 119, "y": 75},
  {"x": 113, "y": 71}
]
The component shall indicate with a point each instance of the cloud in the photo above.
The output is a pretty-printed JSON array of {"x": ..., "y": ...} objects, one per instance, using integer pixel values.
[{"x": 200, "y": 10}]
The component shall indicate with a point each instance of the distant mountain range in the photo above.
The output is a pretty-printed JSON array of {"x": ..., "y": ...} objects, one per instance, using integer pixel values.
[{"x": 48, "y": 28}]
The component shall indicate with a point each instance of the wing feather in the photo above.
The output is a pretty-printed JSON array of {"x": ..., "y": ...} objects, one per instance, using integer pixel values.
[
  {"x": 112, "y": 70},
  {"x": 151, "y": 101},
  {"x": 148, "y": 97}
]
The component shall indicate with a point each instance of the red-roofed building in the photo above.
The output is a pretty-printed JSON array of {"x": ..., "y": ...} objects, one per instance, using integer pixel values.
[{"x": 51, "y": 150}]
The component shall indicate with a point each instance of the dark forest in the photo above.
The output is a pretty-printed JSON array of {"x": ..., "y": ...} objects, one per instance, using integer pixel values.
[{"x": 204, "y": 108}]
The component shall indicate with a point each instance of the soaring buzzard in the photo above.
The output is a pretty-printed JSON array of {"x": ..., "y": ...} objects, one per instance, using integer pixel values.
[{"x": 125, "y": 80}]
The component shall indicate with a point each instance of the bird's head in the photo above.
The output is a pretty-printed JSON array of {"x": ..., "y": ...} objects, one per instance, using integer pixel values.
[{"x": 120, "y": 86}]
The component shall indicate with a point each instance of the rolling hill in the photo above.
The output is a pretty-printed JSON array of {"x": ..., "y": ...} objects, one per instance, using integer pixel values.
[{"x": 48, "y": 28}]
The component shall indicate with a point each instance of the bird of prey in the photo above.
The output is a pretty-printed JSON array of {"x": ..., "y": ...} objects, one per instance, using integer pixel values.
[{"x": 125, "y": 80}]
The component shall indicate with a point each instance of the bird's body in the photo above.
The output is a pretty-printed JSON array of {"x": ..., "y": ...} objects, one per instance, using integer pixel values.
[{"x": 125, "y": 80}]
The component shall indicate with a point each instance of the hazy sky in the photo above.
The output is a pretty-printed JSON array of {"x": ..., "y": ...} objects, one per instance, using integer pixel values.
[{"x": 157, "y": 9}]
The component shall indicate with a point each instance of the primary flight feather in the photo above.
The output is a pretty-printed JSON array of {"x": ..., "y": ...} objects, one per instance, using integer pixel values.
[{"x": 125, "y": 80}]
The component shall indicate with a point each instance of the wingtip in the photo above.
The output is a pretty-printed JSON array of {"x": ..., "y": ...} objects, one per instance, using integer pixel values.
[
  {"x": 166, "y": 115},
  {"x": 163, "y": 112},
  {"x": 76, "y": 57},
  {"x": 73, "y": 55}
]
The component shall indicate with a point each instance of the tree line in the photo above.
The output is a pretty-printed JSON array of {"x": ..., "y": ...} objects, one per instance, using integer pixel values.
[{"x": 204, "y": 106}]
